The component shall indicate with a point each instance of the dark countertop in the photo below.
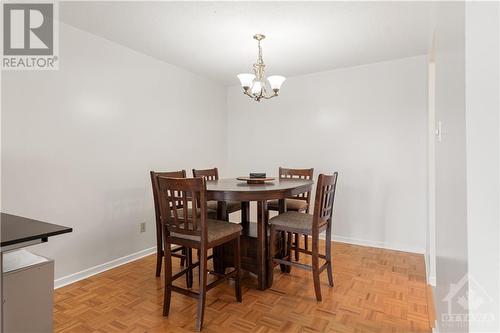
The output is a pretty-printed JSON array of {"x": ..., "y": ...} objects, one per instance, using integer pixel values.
[{"x": 17, "y": 229}]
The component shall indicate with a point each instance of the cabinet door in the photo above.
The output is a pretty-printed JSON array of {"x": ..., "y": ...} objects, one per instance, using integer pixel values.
[{"x": 28, "y": 296}]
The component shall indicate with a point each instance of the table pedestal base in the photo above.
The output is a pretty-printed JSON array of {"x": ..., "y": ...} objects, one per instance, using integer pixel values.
[
  {"x": 223, "y": 255},
  {"x": 254, "y": 243}
]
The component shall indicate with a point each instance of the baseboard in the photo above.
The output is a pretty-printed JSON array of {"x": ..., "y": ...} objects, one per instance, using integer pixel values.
[
  {"x": 65, "y": 280},
  {"x": 377, "y": 244},
  {"x": 431, "y": 279}
]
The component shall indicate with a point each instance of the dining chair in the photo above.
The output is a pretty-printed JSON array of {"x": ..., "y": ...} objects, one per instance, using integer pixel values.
[
  {"x": 311, "y": 225},
  {"x": 194, "y": 231},
  {"x": 299, "y": 203},
  {"x": 159, "y": 238},
  {"x": 213, "y": 174}
]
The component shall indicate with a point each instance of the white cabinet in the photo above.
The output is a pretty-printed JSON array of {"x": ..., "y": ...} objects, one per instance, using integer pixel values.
[{"x": 28, "y": 290}]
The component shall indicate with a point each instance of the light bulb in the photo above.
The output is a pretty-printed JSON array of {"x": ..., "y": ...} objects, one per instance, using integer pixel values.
[
  {"x": 276, "y": 81},
  {"x": 246, "y": 80},
  {"x": 257, "y": 87}
]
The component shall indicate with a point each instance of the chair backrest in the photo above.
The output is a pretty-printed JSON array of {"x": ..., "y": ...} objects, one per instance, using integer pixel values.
[
  {"x": 154, "y": 182},
  {"x": 208, "y": 174},
  {"x": 325, "y": 197},
  {"x": 187, "y": 193},
  {"x": 285, "y": 173}
]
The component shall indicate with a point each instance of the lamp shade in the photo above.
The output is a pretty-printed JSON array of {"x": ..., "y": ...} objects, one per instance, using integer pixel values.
[
  {"x": 257, "y": 87},
  {"x": 246, "y": 80},
  {"x": 276, "y": 81}
]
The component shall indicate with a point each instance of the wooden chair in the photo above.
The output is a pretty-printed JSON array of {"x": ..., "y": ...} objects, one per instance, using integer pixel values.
[
  {"x": 299, "y": 203},
  {"x": 194, "y": 231},
  {"x": 311, "y": 225},
  {"x": 213, "y": 174},
  {"x": 159, "y": 237}
]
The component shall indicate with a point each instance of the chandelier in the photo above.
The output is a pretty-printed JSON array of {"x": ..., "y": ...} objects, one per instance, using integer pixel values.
[{"x": 254, "y": 85}]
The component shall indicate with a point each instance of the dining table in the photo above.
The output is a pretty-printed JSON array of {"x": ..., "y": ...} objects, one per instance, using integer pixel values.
[{"x": 254, "y": 238}]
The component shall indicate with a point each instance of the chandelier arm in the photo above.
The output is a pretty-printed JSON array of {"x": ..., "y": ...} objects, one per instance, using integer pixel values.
[
  {"x": 269, "y": 97},
  {"x": 248, "y": 94}
]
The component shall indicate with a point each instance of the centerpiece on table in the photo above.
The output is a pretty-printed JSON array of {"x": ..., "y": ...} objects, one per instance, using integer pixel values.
[{"x": 256, "y": 178}]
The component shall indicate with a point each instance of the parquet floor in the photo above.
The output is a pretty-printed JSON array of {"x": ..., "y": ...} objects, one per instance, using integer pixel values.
[{"x": 375, "y": 291}]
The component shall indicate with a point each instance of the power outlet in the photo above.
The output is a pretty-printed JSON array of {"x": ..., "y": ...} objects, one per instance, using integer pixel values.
[{"x": 143, "y": 227}]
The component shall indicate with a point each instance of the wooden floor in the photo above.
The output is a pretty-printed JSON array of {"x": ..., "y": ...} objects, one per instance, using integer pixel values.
[{"x": 375, "y": 291}]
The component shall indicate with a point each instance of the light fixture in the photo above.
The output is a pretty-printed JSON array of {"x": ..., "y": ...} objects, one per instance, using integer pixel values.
[{"x": 254, "y": 85}]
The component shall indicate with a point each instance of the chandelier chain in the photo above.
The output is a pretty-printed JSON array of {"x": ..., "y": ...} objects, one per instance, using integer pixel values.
[
  {"x": 258, "y": 67},
  {"x": 260, "y": 61}
]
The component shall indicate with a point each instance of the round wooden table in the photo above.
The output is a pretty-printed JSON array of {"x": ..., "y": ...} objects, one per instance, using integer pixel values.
[{"x": 254, "y": 236}]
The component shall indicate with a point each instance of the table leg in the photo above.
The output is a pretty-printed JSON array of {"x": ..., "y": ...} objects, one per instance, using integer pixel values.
[
  {"x": 222, "y": 214},
  {"x": 281, "y": 206},
  {"x": 284, "y": 249},
  {"x": 245, "y": 215},
  {"x": 218, "y": 251},
  {"x": 262, "y": 223}
]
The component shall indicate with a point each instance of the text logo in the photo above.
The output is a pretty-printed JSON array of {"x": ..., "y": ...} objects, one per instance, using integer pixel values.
[{"x": 29, "y": 36}]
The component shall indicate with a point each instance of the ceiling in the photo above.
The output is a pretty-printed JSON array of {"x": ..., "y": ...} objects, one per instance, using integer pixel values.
[{"x": 214, "y": 39}]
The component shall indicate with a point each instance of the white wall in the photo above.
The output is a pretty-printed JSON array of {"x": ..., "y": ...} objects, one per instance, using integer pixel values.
[
  {"x": 368, "y": 123},
  {"x": 482, "y": 55},
  {"x": 451, "y": 203},
  {"x": 430, "y": 255},
  {"x": 467, "y": 165},
  {"x": 78, "y": 144}
]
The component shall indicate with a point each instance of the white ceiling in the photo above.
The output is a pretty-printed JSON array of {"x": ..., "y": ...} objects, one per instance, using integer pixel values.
[{"x": 214, "y": 39}]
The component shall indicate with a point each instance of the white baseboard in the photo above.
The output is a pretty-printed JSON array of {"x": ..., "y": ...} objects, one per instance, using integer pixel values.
[
  {"x": 68, "y": 279},
  {"x": 432, "y": 280},
  {"x": 65, "y": 280},
  {"x": 377, "y": 244}
]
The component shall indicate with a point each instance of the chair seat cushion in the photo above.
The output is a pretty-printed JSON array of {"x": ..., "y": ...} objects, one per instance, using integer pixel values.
[
  {"x": 295, "y": 205},
  {"x": 216, "y": 230},
  {"x": 211, "y": 214},
  {"x": 231, "y": 206},
  {"x": 295, "y": 222}
]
